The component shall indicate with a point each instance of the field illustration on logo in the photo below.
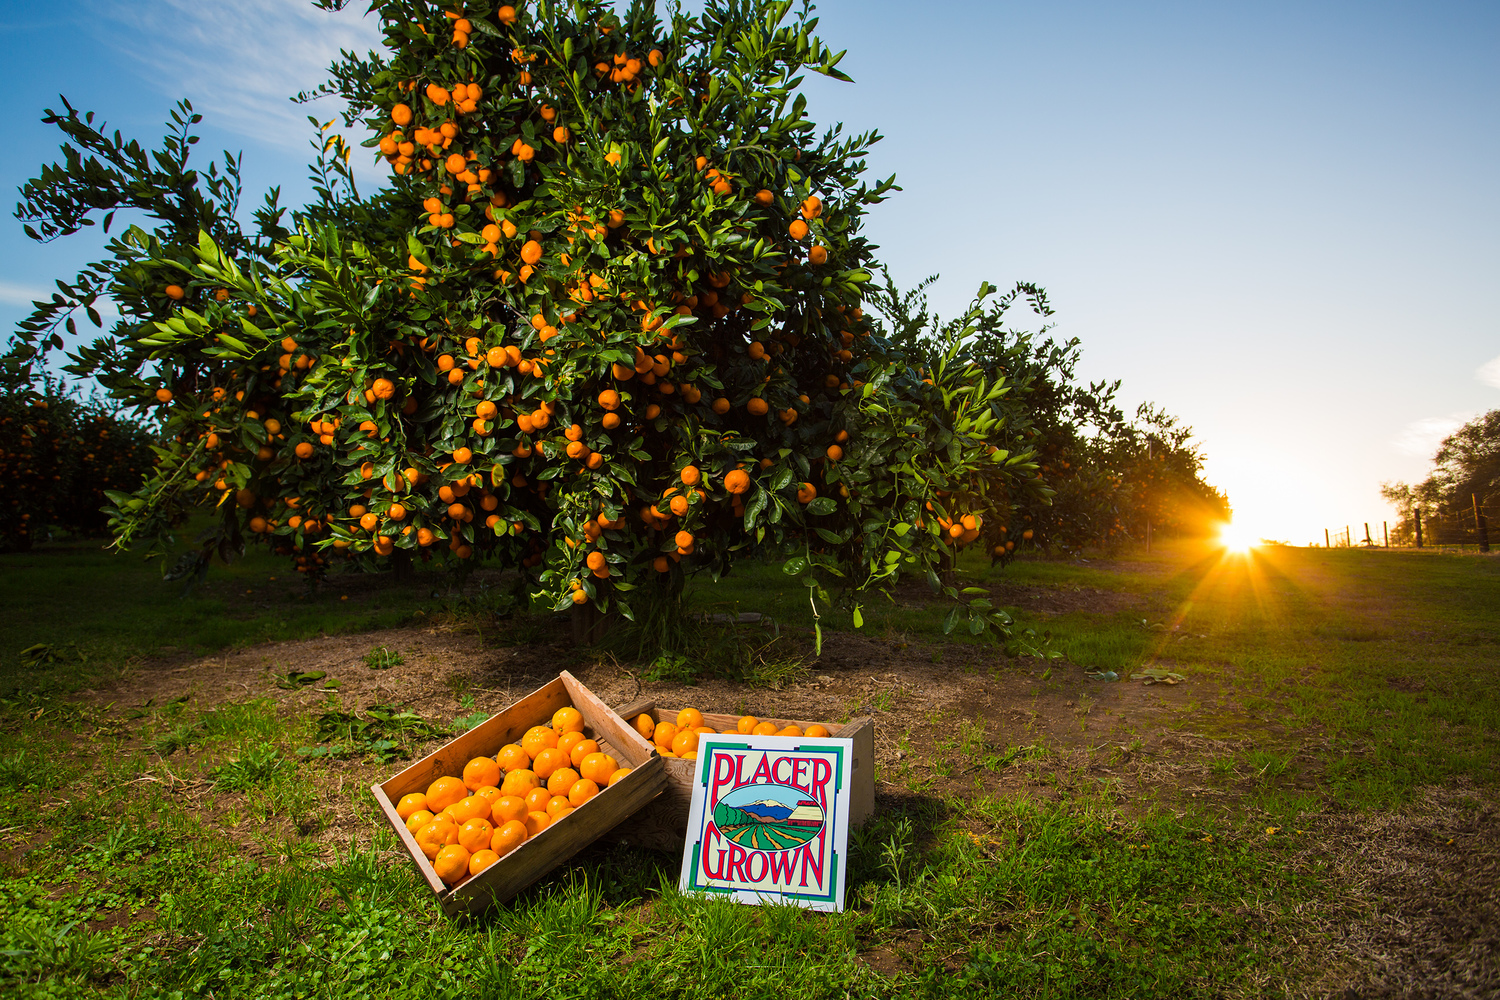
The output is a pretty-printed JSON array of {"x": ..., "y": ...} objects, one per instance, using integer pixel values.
[
  {"x": 769, "y": 820},
  {"x": 768, "y": 817}
]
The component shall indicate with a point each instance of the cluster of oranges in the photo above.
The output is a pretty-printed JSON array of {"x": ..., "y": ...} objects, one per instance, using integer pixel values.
[
  {"x": 465, "y": 824},
  {"x": 680, "y": 738}
]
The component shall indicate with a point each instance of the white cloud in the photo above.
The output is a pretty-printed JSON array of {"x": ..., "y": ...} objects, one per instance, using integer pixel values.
[
  {"x": 12, "y": 294},
  {"x": 238, "y": 62},
  {"x": 1489, "y": 373},
  {"x": 1421, "y": 438}
]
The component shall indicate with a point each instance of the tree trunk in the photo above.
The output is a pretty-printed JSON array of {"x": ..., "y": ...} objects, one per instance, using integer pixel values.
[{"x": 589, "y": 624}]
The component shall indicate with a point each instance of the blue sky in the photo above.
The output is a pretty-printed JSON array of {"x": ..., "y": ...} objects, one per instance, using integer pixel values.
[{"x": 1279, "y": 221}]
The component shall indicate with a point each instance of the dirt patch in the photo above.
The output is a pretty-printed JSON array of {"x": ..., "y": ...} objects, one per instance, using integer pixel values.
[
  {"x": 1065, "y": 600},
  {"x": 1418, "y": 893}
]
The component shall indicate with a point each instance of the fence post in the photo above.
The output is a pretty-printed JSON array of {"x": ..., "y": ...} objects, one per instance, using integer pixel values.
[
  {"x": 1348, "y": 538},
  {"x": 1368, "y": 540},
  {"x": 1385, "y": 532},
  {"x": 1416, "y": 514},
  {"x": 1327, "y": 542},
  {"x": 1480, "y": 524}
]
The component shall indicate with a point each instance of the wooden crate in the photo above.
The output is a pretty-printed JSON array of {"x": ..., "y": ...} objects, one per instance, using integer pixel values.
[
  {"x": 558, "y": 842},
  {"x": 662, "y": 824}
]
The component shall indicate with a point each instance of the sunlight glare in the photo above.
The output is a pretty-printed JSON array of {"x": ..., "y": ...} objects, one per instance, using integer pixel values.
[{"x": 1236, "y": 539}]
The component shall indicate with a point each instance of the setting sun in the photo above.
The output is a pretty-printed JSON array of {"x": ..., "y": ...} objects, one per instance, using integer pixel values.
[{"x": 1235, "y": 538}]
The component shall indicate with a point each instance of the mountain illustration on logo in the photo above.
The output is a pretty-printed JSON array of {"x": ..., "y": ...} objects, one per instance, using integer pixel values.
[{"x": 768, "y": 817}]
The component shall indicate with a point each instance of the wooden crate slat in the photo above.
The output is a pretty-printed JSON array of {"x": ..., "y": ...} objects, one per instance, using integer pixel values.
[{"x": 423, "y": 865}]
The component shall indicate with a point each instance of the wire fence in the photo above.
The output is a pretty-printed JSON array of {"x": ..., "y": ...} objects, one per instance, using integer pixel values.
[{"x": 1467, "y": 530}]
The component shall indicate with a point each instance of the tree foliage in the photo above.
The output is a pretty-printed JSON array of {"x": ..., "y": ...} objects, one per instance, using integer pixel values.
[
  {"x": 1465, "y": 473},
  {"x": 604, "y": 323}
]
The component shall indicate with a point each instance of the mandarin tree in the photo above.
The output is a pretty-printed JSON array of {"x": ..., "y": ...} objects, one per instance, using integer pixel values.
[{"x": 605, "y": 321}]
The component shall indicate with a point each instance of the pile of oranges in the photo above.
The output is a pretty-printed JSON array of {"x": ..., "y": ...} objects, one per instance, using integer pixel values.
[
  {"x": 680, "y": 738},
  {"x": 465, "y": 824}
]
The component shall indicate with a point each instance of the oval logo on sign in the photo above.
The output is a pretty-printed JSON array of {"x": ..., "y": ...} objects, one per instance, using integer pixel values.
[{"x": 768, "y": 817}]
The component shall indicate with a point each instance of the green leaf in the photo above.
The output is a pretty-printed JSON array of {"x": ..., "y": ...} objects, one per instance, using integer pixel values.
[
  {"x": 822, "y": 506},
  {"x": 795, "y": 566},
  {"x": 951, "y": 622}
]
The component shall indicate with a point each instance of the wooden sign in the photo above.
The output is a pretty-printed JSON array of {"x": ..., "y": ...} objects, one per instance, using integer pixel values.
[{"x": 770, "y": 820}]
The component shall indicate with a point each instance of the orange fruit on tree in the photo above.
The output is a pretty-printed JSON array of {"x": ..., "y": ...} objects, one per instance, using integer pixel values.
[
  {"x": 482, "y": 859},
  {"x": 583, "y": 789},
  {"x": 747, "y": 725},
  {"x": 481, "y": 771},
  {"x": 619, "y": 775},
  {"x": 451, "y": 863},
  {"x": 410, "y": 803},
  {"x": 519, "y": 782},
  {"x": 537, "y": 739},
  {"x": 417, "y": 820},
  {"x": 508, "y": 836},
  {"x": 583, "y": 748},
  {"x": 475, "y": 834},
  {"x": 512, "y": 758},
  {"x": 549, "y": 760},
  {"x": 536, "y": 822},
  {"x": 537, "y": 799},
  {"x": 436, "y": 835},
  {"x": 567, "y": 720},
  {"x": 737, "y": 481},
  {"x": 797, "y": 230},
  {"x": 689, "y": 718},
  {"x": 757, "y": 407},
  {"x": 445, "y": 791},
  {"x": 507, "y": 808},
  {"x": 597, "y": 767},
  {"x": 562, "y": 779}
]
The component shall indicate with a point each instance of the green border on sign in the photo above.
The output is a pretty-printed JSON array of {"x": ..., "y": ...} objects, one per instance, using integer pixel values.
[{"x": 694, "y": 885}]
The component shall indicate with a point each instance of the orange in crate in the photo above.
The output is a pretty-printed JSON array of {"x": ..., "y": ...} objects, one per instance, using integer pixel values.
[
  {"x": 582, "y": 749},
  {"x": 507, "y": 843}
]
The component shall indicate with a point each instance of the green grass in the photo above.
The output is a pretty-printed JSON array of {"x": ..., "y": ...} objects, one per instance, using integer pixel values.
[
  {"x": 1001, "y": 897},
  {"x": 97, "y": 610},
  {"x": 174, "y": 851}
]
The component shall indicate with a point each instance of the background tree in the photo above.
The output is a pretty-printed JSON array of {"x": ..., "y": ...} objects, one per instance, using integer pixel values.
[
  {"x": 60, "y": 453},
  {"x": 1099, "y": 477},
  {"x": 1465, "y": 470}
]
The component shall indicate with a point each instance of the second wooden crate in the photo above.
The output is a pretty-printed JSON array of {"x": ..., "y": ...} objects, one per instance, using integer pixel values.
[{"x": 662, "y": 823}]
